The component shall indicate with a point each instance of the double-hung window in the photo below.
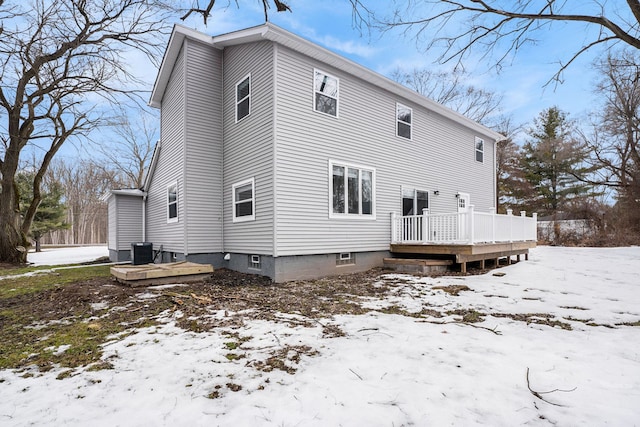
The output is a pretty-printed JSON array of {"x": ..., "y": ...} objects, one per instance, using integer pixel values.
[
  {"x": 352, "y": 191},
  {"x": 243, "y": 195},
  {"x": 479, "y": 150},
  {"x": 325, "y": 93},
  {"x": 403, "y": 121},
  {"x": 243, "y": 98},
  {"x": 172, "y": 202}
]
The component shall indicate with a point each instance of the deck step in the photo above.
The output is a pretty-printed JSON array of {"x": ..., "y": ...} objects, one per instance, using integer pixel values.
[{"x": 409, "y": 265}]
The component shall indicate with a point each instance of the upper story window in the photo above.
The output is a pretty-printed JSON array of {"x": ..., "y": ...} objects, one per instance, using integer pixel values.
[
  {"x": 325, "y": 93},
  {"x": 352, "y": 192},
  {"x": 243, "y": 98},
  {"x": 172, "y": 202},
  {"x": 404, "y": 115},
  {"x": 244, "y": 201},
  {"x": 479, "y": 150}
]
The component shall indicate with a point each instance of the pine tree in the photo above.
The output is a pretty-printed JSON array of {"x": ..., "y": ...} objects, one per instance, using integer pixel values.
[
  {"x": 554, "y": 163},
  {"x": 51, "y": 212}
]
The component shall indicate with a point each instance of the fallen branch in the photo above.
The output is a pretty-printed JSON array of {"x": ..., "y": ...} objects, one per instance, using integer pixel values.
[
  {"x": 539, "y": 393},
  {"x": 455, "y": 322},
  {"x": 356, "y": 374}
]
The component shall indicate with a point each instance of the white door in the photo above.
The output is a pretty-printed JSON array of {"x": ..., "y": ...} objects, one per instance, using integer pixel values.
[{"x": 464, "y": 200}]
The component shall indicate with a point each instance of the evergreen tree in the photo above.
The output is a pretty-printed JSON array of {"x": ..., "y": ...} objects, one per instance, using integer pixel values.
[
  {"x": 554, "y": 163},
  {"x": 51, "y": 212}
]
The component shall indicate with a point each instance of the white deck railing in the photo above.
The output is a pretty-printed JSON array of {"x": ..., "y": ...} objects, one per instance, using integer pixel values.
[{"x": 463, "y": 228}]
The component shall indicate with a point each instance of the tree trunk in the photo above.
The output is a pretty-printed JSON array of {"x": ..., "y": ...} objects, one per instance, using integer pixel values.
[
  {"x": 13, "y": 245},
  {"x": 38, "y": 245}
]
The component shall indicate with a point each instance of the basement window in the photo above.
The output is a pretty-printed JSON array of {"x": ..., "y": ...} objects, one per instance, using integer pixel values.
[
  {"x": 345, "y": 258},
  {"x": 254, "y": 262}
]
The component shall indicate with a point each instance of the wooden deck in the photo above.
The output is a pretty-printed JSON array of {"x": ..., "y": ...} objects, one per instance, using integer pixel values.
[
  {"x": 462, "y": 254},
  {"x": 161, "y": 274}
]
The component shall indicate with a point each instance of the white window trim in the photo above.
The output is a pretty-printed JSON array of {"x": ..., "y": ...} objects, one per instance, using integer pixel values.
[
  {"x": 476, "y": 151},
  {"x": 401, "y": 121},
  {"x": 245, "y": 218},
  {"x": 238, "y": 101},
  {"x": 337, "y": 98},
  {"x": 345, "y": 215},
  {"x": 172, "y": 220}
]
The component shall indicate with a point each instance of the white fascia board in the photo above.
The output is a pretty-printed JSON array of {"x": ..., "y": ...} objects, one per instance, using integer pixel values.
[
  {"x": 285, "y": 38},
  {"x": 129, "y": 192},
  {"x": 176, "y": 40}
]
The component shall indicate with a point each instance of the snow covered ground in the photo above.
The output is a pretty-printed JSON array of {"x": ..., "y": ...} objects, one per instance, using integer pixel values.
[
  {"x": 58, "y": 256},
  {"x": 389, "y": 369}
]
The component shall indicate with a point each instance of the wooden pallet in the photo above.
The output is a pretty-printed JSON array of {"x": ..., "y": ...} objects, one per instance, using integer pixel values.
[{"x": 161, "y": 274}]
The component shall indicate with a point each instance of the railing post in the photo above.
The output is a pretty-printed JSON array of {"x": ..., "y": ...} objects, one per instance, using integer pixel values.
[
  {"x": 510, "y": 214},
  {"x": 523, "y": 214},
  {"x": 535, "y": 226},
  {"x": 394, "y": 231},
  {"x": 426, "y": 235},
  {"x": 471, "y": 223},
  {"x": 492, "y": 211}
]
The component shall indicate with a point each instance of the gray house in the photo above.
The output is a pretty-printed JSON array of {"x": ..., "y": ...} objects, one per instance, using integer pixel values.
[{"x": 281, "y": 158}]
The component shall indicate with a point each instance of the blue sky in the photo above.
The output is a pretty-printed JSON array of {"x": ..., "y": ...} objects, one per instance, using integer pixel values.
[
  {"x": 329, "y": 23},
  {"x": 522, "y": 84}
]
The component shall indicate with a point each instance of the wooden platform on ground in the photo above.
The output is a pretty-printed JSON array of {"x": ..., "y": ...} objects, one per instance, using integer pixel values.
[
  {"x": 161, "y": 274},
  {"x": 462, "y": 254}
]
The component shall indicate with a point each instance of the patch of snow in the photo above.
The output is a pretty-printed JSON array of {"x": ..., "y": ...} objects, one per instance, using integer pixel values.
[
  {"x": 388, "y": 369},
  {"x": 67, "y": 255},
  {"x": 97, "y": 306}
]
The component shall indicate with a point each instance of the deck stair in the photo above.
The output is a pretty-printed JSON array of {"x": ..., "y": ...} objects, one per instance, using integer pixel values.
[
  {"x": 412, "y": 265},
  {"x": 161, "y": 274}
]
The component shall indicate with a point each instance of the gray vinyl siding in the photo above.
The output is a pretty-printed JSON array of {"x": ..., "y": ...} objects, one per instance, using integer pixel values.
[
  {"x": 170, "y": 166},
  {"x": 129, "y": 210},
  {"x": 112, "y": 223},
  {"x": 248, "y": 147},
  {"x": 440, "y": 156},
  {"x": 203, "y": 149}
]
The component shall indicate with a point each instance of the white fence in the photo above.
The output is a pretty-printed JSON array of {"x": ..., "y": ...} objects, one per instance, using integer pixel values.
[{"x": 463, "y": 228}]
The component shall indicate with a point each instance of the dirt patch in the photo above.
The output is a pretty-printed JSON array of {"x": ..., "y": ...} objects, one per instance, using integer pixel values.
[{"x": 452, "y": 289}]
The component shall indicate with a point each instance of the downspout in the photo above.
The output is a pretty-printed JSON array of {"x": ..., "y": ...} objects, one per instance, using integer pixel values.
[{"x": 144, "y": 217}]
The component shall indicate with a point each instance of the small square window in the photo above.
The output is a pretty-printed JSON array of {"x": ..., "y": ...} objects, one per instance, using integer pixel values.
[
  {"x": 479, "y": 150},
  {"x": 345, "y": 258},
  {"x": 403, "y": 120},
  {"x": 243, "y": 194},
  {"x": 254, "y": 262},
  {"x": 243, "y": 98},
  {"x": 325, "y": 93},
  {"x": 172, "y": 202}
]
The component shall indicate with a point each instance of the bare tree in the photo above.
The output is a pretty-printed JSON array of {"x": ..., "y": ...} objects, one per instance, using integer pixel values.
[
  {"x": 55, "y": 55},
  {"x": 83, "y": 185},
  {"x": 503, "y": 27},
  {"x": 207, "y": 6},
  {"x": 451, "y": 90},
  {"x": 615, "y": 140},
  {"x": 129, "y": 153}
]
